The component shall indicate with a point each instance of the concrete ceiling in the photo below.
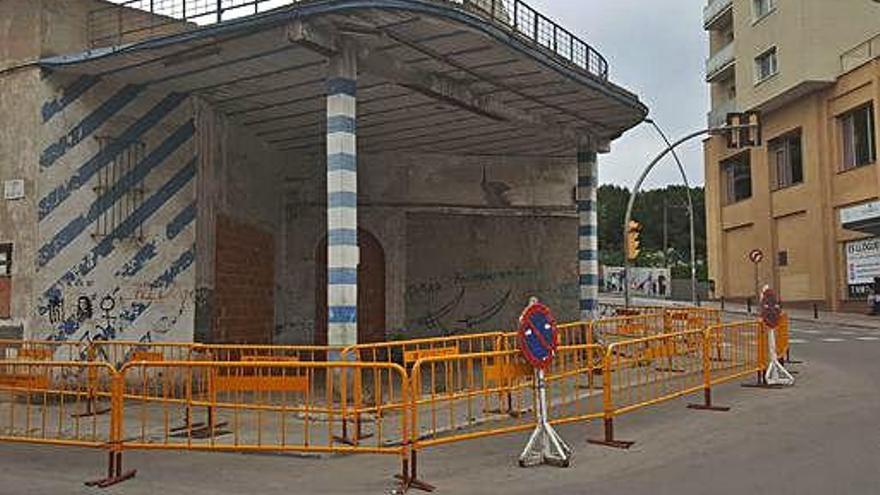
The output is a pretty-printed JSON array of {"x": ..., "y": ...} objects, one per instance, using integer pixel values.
[{"x": 498, "y": 94}]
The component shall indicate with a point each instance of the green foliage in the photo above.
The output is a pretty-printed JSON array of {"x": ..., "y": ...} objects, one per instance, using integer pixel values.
[{"x": 649, "y": 211}]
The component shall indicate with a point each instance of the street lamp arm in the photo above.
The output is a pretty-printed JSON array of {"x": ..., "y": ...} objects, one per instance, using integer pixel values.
[
  {"x": 638, "y": 185},
  {"x": 690, "y": 207}
]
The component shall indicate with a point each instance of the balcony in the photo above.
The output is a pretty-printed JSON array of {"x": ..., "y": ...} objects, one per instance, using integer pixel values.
[
  {"x": 720, "y": 64},
  {"x": 717, "y": 13},
  {"x": 859, "y": 55},
  {"x": 718, "y": 115}
]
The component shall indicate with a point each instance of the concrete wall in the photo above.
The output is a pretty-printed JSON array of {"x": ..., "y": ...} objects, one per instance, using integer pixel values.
[
  {"x": 240, "y": 209},
  {"x": 802, "y": 220},
  {"x": 810, "y": 36},
  {"x": 443, "y": 225}
]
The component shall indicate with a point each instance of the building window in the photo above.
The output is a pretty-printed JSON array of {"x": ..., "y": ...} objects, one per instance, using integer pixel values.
[
  {"x": 782, "y": 258},
  {"x": 5, "y": 260},
  {"x": 736, "y": 175},
  {"x": 857, "y": 130},
  {"x": 786, "y": 160},
  {"x": 766, "y": 65},
  {"x": 760, "y": 8},
  {"x": 118, "y": 183}
]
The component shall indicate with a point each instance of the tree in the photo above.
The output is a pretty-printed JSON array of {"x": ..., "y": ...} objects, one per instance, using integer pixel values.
[{"x": 648, "y": 211}]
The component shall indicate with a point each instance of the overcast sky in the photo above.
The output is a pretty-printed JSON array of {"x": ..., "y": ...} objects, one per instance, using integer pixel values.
[{"x": 656, "y": 49}]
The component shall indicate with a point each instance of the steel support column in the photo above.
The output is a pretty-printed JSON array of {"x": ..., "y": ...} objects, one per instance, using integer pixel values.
[
  {"x": 342, "y": 242},
  {"x": 588, "y": 229}
]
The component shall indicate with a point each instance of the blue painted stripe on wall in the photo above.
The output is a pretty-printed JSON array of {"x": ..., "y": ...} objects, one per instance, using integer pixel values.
[
  {"x": 588, "y": 279},
  {"x": 342, "y": 237},
  {"x": 585, "y": 205},
  {"x": 69, "y": 95},
  {"x": 342, "y": 276},
  {"x": 588, "y": 181},
  {"x": 341, "y": 161},
  {"x": 75, "y": 227},
  {"x": 586, "y": 156},
  {"x": 91, "y": 167},
  {"x": 342, "y": 314},
  {"x": 125, "y": 229},
  {"x": 589, "y": 304},
  {"x": 587, "y": 231},
  {"x": 341, "y": 123},
  {"x": 177, "y": 267},
  {"x": 587, "y": 255},
  {"x": 343, "y": 199},
  {"x": 181, "y": 221},
  {"x": 137, "y": 263},
  {"x": 180, "y": 265},
  {"x": 89, "y": 124},
  {"x": 341, "y": 85}
]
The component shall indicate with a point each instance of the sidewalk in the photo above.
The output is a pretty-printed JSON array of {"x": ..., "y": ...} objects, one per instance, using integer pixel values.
[{"x": 848, "y": 319}]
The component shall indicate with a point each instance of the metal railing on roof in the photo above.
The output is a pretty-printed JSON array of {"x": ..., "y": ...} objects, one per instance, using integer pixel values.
[
  {"x": 126, "y": 21},
  {"x": 861, "y": 53}
]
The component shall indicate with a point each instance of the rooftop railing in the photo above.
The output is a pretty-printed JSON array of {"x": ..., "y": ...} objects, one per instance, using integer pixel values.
[
  {"x": 134, "y": 20},
  {"x": 860, "y": 54}
]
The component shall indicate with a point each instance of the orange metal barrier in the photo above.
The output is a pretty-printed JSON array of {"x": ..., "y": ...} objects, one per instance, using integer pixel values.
[
  {"x": 263, "y": 405},
  {"x": 610, "y": 330},
  {"x": 453, "y": 393},
  {"x": 783, "y": 346},
  {"x": 286, "y": 398},
  {"x": 407, "y": 352},
  {"x": 690, "y": 318},
  {"x": 42, "y": 350},
  {"x": 642, "y": 372}
]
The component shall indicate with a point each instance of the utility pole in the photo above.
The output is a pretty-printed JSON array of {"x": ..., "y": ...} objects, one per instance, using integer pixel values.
[{"x": 665, "y": 232}]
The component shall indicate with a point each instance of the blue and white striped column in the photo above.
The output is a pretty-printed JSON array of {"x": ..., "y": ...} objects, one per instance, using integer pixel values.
[
  {"x": 588, "y": 229},
  {"x": 342, "y": 243}
]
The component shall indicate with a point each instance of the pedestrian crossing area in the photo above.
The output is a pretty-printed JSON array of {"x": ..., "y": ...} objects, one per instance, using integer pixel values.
[{"x": 833, "y": 336}]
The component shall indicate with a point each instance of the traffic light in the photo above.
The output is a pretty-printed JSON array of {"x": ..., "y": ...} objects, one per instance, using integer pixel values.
[
  {"x": 744, "y": 137},
  {"x": 632, "y": 240}
]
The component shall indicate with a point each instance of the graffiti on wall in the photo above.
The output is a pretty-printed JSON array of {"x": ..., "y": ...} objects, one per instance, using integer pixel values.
[
  {"x": 116, "y": 236},
  {"x": 472, "y": 301}
]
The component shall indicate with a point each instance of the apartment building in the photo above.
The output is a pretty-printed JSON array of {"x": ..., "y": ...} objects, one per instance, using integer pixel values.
[{"x": 807, "y": 196}]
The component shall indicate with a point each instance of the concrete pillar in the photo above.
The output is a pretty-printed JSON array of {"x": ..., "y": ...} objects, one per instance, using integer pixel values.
[
  {"x": 342, "y": 243},
  {"x": 588, "y": 229}
]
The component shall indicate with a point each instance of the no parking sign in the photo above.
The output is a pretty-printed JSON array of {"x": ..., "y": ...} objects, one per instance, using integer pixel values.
[{"x": 538, "y": 335}]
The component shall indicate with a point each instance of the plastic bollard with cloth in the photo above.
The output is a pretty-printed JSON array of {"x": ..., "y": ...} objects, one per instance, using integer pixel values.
[{"x": 776, "y": 374}]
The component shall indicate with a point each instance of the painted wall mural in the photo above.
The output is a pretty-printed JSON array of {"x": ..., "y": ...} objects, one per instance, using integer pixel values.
[{"x": 116, "y": 210}]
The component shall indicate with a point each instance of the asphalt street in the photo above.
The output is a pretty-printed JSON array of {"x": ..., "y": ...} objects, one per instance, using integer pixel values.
[{"x": 819, "y": 437}]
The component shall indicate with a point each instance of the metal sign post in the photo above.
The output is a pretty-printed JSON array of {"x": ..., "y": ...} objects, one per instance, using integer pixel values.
[
  {"x": 538, "y": 340},
  {"x": 756, "y": 256}
]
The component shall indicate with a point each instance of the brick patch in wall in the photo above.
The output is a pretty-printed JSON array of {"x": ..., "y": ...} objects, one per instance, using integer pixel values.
[{"x": 244, "y": 299}]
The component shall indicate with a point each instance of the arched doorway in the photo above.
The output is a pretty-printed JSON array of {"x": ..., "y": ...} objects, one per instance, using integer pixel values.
[{"x": 371, "y": 290}]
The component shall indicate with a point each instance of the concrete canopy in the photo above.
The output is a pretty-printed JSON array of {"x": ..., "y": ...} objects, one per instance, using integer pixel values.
[{"x": 433, "y": 77}]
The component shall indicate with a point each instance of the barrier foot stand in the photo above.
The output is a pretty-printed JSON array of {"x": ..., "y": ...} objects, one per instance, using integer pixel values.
[
  {"x": 609, "y": 440},
  {"x": 545, "y": 446},
  {"x": 409, "y": 476},
  {"x": 358, "y": 433},
  {"x": 759, "y": 382},
  {"x": 789, "y": 360},
  {"x": 707, "y": 403},
  {"x": 115, "y": 474}
]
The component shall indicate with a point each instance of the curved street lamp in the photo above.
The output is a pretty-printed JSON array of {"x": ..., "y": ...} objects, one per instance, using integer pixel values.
[{"x": 670, "y": 148}]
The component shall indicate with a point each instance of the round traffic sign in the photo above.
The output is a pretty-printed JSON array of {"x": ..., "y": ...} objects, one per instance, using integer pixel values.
[
  {"x": 756, "y": 255},
  {"x": 770, "y": 308},
  {"x": 538, "y": 335}
]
